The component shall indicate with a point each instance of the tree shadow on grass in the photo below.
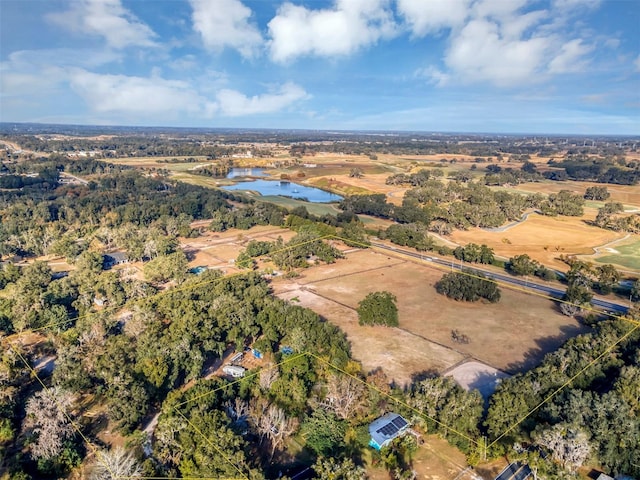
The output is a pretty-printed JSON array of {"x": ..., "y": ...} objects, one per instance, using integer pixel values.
[{"x": 544, "y": 345}]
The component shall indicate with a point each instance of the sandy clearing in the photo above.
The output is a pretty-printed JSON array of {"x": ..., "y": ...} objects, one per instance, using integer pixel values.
[{"x": 477, "y": 375}]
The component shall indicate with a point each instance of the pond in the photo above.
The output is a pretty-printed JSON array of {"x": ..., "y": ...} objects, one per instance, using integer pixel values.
[
  {"x": 286, "y": 189},
  {"x": 246, "y": 172}
]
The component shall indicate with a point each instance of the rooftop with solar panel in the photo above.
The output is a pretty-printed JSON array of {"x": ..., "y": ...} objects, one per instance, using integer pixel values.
[{"x": 384, "y": 429}]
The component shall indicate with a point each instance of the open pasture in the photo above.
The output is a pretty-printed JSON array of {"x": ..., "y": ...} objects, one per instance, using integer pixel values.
[
  {"x": 511, "y": 335},
  {"x": 542, "y": 238},
  {"x": 159, "y": 162},
  {"x": 368, "y": 184}
]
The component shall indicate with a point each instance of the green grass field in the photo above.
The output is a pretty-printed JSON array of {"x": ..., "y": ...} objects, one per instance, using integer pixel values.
[
  {"x": 290, "y": 203},
  {"x": 628, "y": 257}
]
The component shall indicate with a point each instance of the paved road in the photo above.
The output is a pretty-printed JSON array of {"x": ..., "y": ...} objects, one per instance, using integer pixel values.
[{"x": 501, "y": 277}]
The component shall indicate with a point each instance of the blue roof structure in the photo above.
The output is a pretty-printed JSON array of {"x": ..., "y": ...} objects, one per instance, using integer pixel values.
[{"x": 385, "y": 429}]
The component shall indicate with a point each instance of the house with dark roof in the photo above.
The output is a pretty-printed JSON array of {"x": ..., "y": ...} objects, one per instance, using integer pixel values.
[
  {"x": 110, "y": 260},
  {"x": 384, "y": 429}
]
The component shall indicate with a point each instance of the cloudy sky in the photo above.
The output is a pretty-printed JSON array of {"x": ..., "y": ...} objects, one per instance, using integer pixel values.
[{"x": 504, "y": 66}]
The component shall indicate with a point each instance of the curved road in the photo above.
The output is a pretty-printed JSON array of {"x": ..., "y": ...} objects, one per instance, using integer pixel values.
[{"x": 544, "y": 289}]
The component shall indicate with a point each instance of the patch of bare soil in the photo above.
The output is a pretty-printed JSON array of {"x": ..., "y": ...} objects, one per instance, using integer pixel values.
[{"x": 477, "y": 375}]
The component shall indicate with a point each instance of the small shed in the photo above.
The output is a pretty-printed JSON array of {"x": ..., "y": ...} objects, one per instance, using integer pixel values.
[
  {"x": 384, "y": 429},
  {"x": 99, "y": 300},
  {"x": 604, "y": 476},
  {"x": 236, "y": 358},
  {"x": 236, "y": 371}
]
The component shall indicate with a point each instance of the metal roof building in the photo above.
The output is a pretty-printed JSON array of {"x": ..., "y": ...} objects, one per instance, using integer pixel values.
[
  {"x": 384, "y": 429},
  {"x": 235, "y": 371}
]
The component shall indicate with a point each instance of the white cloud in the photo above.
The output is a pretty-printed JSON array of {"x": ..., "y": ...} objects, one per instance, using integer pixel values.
[
  {"x": 498, "y": 9},
  {"x": 636, "y": 63},
  {"x": 431, "y": 16},
  {"x": 504, "y": 42},
  {"x": 516, "y": 26},
  {"x": 342, "y": 30},
  {"x": 576, "y": 4},
  {"x": 480, "y": 53},
  {"x": 233, "y": 103},
  {"x": 433, "y": 75},
  {"x": 135, "y": 95},
  {"x": 225, "y": 23},
  {"x": 570, "y": 58},
  {"x": 36, "y": 73},
  {"x": 148, "y": 97},
  {"x": 107, "y": 19}
]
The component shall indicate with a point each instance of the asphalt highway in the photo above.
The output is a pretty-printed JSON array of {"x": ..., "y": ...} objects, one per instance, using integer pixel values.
[{"x": 524, "y": 283}]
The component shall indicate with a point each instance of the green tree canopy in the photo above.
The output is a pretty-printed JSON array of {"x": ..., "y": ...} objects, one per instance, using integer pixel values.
[{"x": 378, "y": 308}]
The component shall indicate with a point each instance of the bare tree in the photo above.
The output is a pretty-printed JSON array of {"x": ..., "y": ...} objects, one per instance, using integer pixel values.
[
  {"x": 47, "y": 421},
  {"x": 238, "y": 409},
  {"x": 268, "y": 375},
  {"x": 568, "y": 445},
  {"x": 257, "y": 410},
  {"x": 345, "y": 396},
  {"x": 115, "y": 464},
  {"x": 271, "y": 423}
]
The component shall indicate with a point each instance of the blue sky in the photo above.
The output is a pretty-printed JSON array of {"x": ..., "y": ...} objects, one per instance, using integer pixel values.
[{"x": 503, "y": 66}]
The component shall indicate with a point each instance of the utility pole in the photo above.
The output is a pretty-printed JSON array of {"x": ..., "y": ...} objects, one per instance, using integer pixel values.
[{"x": 484, "y": 456}]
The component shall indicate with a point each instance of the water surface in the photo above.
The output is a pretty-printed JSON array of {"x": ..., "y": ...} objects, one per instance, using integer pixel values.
[
  {"x": 286, "y": 189},
  {"x": 246, "y": 172}
]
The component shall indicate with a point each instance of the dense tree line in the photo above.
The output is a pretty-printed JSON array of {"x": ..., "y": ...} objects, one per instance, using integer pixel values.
[
  {"x": 443, "y": 207},
  {"x": 35, "y": 223},
  {"x": 598, "y": 169},
  {"x": 595, "y": 419},
  {"x": 474, "y": 253},
  {"x": 412, "y": 235}
]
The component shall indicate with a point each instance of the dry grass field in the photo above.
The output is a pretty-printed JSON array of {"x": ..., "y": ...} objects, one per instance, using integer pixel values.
[
  {"x": 368, "y": 184},
  {"x": 158, "y": 162},
  {"x": 542, "y": 238},
  {"x": 218, "y": 250},
  {"x": 511, "y": 335}
]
